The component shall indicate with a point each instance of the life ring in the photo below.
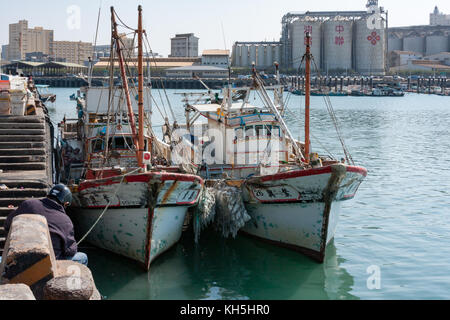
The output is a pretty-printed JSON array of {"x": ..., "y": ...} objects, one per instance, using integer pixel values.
[{"x": 119, "y": 127}]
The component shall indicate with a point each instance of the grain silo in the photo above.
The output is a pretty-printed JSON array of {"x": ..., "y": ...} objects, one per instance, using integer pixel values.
[
  {"x": 369, "y": 49},
  {"x": 299, "y": 28},
  {"x": 395, "y": 43},
  {"x": 436, "y": 43},
  {"x": 244, "y": 56},
  {"x": 235, "y": 56},
  {"x": 337, "y": 44},
  {"x": 252, "y": 54},
  {"x": 269, "y": 55},
  {"x": 261, "y": 54},
  {"x": 414, "y": 43},
  {"x": 277, "y": 54}
]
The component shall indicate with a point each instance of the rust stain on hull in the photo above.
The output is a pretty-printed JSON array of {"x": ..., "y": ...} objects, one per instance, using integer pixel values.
[
  {"x": 169, "y": 192},
  {"x": 338, "y": 173}
]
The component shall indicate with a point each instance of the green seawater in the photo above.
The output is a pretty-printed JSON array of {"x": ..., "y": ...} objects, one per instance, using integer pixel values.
[{"x": 398, "y": 223}]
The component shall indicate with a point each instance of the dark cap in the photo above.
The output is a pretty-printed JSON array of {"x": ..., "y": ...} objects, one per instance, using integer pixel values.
[{"x": 61, "y": 193}]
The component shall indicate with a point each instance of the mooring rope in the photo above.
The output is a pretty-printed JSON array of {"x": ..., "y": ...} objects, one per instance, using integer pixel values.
[{"x": 107, "y": 206}]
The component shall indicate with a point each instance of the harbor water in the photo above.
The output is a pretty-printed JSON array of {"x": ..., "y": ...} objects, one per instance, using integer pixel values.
[{"x": 392, "y": 240}]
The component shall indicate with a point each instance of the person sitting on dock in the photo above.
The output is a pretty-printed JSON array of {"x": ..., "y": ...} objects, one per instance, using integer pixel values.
[{"x": 60, "y": 226}]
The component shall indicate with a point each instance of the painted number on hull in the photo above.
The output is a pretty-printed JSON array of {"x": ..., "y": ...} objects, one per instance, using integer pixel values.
[
  {"x": 187, "y": 196},
  {"x": 276, "y": 194}
]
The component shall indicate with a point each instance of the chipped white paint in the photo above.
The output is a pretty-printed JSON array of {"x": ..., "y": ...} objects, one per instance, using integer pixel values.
[
  {"x": 301, "y": 224},
  {"x": 126, "y": 227}
]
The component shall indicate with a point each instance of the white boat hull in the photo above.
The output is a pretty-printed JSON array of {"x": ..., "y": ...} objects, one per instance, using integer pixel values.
[
  {"x": 124, "y": 230},
  {"x": 145, "y": 217},
  {"x": 300, "y": 211}
]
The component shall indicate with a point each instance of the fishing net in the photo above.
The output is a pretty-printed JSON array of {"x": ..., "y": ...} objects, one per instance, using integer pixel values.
[
  {"x": 204, "y": 212},
  {"x": 223, "y": 205}
]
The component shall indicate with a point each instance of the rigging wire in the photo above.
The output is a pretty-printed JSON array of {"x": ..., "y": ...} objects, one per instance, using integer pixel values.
[{"x": 335, "y": 121}]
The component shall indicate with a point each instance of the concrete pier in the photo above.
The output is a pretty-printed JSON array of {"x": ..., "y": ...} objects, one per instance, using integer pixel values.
[
  {"x": 26, "y": 161},
  {"x": 29, "y": 259}
]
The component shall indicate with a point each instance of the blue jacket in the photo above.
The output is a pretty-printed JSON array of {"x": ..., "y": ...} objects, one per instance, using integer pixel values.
[{"x": 59, "y": 224}]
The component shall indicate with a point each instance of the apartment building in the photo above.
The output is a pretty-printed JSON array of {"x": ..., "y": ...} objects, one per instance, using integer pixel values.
[
  {"x": 73, "y": 52},
  {"x": 23, "y": 40}
]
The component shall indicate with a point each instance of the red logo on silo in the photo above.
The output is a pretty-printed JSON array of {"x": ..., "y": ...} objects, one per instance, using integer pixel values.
[
  {"x": 339, "y": 41},
  {"x": 339, "y": 29},
  {"x": 308, "y": 29},
  {"x": 374, "y": 38}
]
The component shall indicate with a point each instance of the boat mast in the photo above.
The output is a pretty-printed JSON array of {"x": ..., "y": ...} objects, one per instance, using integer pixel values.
[
  {"x": 125, "y": 83},
  {"x": 307, "y": 94},
  {"x": 141, "y": 91}
]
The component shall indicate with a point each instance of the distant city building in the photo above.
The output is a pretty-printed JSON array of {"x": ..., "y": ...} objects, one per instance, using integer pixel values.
[
  {"x": 443, "y": 58},
  {"x": 439, "y": 19},
  {"x": 216, "y": 57},
  {"x": 400, "y": 58},
  {"x": 184, "y": 45},
  {"x": 73, "y": 52},
  {"x": 199, "y": 71},
  {"x": 104, "y": 51},
  {"x": 23, "y": 40},
  {"x": 423, "y": 65},
  {"x": 37, "y": 57},
  {"x": 5, "y": 52}
]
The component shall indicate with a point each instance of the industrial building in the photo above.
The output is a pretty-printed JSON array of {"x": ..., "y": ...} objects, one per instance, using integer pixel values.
[
  {"x": 439, "y": 19},
  {"x": 341, "y": 41},
  {"x": 190, "y": 72},
  {"x": 184, "y": 45},
  {"x": 216, "y": 57},
  {"x": 262, "y": 54},
  {"x": 425, "y": 40}
]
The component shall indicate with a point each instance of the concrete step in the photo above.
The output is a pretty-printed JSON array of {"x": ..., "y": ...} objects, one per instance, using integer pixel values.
[
  {"x": 21, "y": 145},
  {"x": 6, "y": 202},
  {"x": 4, "y": 212},
  {"x": 22, "y": 152},
  {"x": 18, "y": 184},
  {"x": 21, "y": 138},
  {"x": 22, "y": 132},
  {"x": 22, "y": 166},
  {"x": 16, "y": 125},
  {"x": 23, "y": 193},
  {"x": 21, "y": 159},
  {"x": 21, "y": 119}
]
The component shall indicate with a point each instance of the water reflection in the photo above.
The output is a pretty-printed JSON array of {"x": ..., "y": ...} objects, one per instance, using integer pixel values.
[{"x": 216, "y": 268}]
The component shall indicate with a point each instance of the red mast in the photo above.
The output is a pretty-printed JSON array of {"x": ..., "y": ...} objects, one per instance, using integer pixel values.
[
  {"x": 307, "y": 94},
  {"x": 125, "y": 86},
  {"x": 140, "y": 89}
]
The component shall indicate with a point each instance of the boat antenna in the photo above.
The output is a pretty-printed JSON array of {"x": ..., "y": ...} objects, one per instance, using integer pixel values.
[{"x": 91, "y": 65}]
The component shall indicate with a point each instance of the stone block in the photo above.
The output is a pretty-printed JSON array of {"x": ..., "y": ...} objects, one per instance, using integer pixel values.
[
  {"x": 16, "y": 292},
  {"x": 28, "y": 257}
]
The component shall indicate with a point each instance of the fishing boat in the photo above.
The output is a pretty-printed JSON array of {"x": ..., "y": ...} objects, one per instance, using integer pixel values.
[
  {"x": 292, "y": 195},
  {"x": 127, "y": 198}
]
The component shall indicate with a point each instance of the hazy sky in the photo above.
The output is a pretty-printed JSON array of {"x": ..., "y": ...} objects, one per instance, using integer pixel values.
[{"x": 242, "y": 20}]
